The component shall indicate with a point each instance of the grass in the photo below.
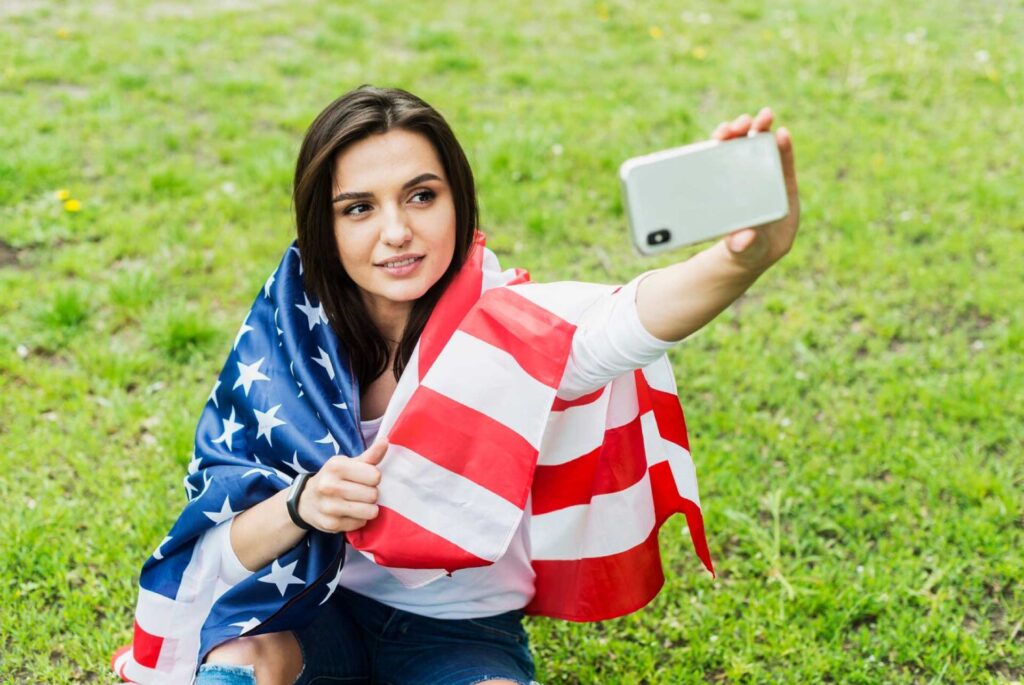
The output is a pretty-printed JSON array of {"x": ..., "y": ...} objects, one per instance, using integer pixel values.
[{"x": 856, "y": 417}]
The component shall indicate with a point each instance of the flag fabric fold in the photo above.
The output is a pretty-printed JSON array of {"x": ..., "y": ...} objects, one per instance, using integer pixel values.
[{"x": 477, "y": 434}]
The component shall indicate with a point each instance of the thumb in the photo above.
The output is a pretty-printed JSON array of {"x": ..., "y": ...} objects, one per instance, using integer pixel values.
[
  {"x": 375, "y": 453},
  {"x": 741, "y": 240}
]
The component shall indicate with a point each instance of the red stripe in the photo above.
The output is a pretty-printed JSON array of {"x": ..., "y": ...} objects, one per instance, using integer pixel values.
[
  {"x": 539, "y": 340},
  {"x": 460, "y": 295},
  {"x": 467, "y": 442},
  {"x": 397, "y": 541},
  {"x": 598, "y": 588},
  {"x": 562, "y": 405},
  {"x": 146, "y": 647},
  {"x": 668, "y": 501},
  {"x": 669, "y": 414},
  {"x": 617, "y": 464}
]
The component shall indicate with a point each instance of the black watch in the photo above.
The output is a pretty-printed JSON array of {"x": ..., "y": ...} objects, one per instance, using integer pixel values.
[{"x": 293, "y": 500}]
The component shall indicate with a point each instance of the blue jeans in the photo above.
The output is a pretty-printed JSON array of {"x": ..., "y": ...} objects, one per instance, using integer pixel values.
[{"x": 354, "y": 639}]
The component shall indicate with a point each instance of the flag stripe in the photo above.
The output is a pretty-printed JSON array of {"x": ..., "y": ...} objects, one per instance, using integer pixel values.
[
  {"x": 536, "y": 338},
  {"x": 146, "y": 647},
  {"x": 458, "y": 298},
  {"x": 434, "y": 498},
  {"x": 616, "y": 465},
  {"x": 595, "y": 529},
  {"x": 456, "y": 373},
  {"x": 408, "y": 543},
  {"x": 562, "y": 404},
  {"x": 473, "y": 444},
  {"x": 600, "y": 588}
]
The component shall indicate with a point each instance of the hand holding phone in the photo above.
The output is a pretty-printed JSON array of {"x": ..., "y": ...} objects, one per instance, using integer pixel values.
[{"x": 686, "y": 195}]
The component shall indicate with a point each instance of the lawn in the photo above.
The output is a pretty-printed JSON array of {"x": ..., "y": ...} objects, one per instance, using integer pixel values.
[{"x": 857, "y": 418}]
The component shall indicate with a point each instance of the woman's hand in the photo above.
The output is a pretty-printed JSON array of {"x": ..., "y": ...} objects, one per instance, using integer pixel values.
[
  {"x": 342, "y": 496},
  {"x": 757, "y": 248}
]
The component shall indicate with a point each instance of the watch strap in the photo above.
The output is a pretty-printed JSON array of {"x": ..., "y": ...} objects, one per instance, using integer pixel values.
[{"x": 298, "y": 485}]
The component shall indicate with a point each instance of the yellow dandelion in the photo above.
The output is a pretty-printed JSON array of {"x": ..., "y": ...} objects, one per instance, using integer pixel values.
[
  {"x": 72, "y": 205},
  {"x": 602, "y": 12},
  {"x": 63, "y": 32},
  {"x": 992, "y": 74},
  {"x": 656, "y": 32},
  {"x": 62, "y": 194},
  {"x": 700, "y": 52},
  {"x": 767, "y": 35},
  {"x": 878, "y": 161}
]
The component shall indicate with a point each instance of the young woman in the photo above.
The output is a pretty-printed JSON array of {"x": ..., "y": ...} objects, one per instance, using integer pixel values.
[{"x": 387, "y": 241}]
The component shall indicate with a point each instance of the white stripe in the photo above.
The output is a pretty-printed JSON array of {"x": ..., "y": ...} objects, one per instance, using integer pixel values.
[
  {"x": 493, "y": 276},
  {"x": 610, "y": 524},
  {"x": 679, "y": 460},
  {"x": 566, "y": 299},
  {"x": 659, "y": 376},
  {"x": 503, "y": 392},
  {"x": 447, "y": 504},
  {"x": 573, "y": 432},
  {"x": 624, "y": 404}
]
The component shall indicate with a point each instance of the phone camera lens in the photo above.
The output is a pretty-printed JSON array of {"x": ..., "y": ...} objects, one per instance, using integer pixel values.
[{"x": 662, "y": 235}]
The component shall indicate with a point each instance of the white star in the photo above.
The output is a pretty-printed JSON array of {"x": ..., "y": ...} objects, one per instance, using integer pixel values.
[
  {"x": 266, "y": 286},
  {"x": 298, "y": 468},
  {"x": 243, "y": 330},
  {"x": 230, "y": 428},
  {"x": 268, "y": 422},
  {"x": 157, "y": 554},
  {"x": 247, "y": 625},
  {"x": 296, "y": 251},
  {"x": 193, "y": 465},
  {"x": 325, "y": 362},
  {"x": 333, "y": 585},
  {"x": 224, "y": 514},
  {"x": 282, "y": 577},
  {"x": 259, "y": 472},
  {"x": 189, "y": 489},
  {"x": 249, "y": 374},
  {"x": 213, "y": 394},
  {"x": 343, "y": 405},
  {"x": 314, "y": 315},
  {"x": 329, "y": 440}
]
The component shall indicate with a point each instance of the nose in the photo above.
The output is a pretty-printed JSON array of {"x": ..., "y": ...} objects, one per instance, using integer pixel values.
[{"x": 395, "y": 230}]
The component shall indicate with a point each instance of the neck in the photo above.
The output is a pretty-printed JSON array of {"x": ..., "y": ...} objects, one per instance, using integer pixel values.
[{"x": 390, "y": 320}]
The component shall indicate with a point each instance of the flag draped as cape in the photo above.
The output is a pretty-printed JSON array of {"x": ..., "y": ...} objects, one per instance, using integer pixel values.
[{"x": 477, "y": 433}]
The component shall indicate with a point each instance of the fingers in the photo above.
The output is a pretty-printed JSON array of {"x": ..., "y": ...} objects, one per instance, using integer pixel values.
[
  {"x": 743, "y": 125},
  {"x": 785, "y": 142},
  {"x": 741, "y": 240}
]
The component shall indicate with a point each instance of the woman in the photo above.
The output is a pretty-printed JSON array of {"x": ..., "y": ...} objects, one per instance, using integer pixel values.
[{"x": 386, "y": 216}]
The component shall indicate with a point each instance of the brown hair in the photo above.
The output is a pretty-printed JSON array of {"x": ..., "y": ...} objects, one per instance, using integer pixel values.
[{"x": 360, "y": 113}]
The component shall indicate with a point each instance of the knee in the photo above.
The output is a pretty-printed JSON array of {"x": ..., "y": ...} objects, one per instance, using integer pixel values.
[{"x": 276, "y": 656}]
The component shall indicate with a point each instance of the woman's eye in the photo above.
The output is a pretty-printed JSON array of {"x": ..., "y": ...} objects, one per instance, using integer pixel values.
[
  {"x": 352, "y": 209},
  {"x": 427, "y": 195}
]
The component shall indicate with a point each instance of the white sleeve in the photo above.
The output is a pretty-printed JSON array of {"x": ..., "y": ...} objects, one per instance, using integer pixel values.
[
  {"x": 609, "y": 341},
  {"x": 232, "y": 571}
]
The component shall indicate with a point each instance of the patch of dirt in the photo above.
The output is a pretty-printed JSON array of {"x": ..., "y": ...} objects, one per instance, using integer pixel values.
[{"x": 8, "y": 254}]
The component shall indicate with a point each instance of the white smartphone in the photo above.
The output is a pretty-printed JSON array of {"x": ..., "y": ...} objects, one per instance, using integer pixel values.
[{"x": 692, "y": 193}]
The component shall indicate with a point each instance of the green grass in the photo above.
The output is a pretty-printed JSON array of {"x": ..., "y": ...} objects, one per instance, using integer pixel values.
[{"x": 856, "y": 418}]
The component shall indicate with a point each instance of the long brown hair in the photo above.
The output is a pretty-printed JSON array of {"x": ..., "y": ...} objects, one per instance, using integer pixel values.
[{"x": 360, "y": 113}]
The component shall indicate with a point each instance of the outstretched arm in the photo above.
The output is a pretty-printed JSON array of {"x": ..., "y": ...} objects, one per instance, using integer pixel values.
[{"x": 680, "y": 299}]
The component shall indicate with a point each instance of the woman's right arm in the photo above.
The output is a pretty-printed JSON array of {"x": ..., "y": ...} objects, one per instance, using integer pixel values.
[{"x": 341, "y": 497}]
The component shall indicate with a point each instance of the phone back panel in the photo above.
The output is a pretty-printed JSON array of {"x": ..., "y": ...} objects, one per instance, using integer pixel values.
[{"x": 685, "y": 195}]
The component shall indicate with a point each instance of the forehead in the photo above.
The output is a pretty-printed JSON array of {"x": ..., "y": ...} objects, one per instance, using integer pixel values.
[{"x": 385, "y": 159}]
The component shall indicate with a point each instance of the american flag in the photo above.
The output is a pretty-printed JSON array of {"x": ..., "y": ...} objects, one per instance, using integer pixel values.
[{"x": 477, "y": 434}]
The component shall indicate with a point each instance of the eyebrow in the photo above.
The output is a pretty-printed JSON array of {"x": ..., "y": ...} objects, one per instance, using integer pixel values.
[{"x": 362, "y": 195}]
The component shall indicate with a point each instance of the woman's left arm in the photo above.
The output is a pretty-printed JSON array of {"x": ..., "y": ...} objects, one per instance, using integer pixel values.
[{"x": 680, "y": 299}]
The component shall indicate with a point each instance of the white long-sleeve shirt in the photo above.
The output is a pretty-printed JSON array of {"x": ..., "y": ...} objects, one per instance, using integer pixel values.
[{"x": 609, "y": 341}]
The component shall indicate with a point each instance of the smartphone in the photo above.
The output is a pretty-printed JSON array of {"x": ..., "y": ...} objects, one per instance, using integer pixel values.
[{"x": 688, "y": 194}]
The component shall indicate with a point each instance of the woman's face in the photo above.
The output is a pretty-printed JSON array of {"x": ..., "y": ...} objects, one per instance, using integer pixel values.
[{"x": 394, "y": 220}]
